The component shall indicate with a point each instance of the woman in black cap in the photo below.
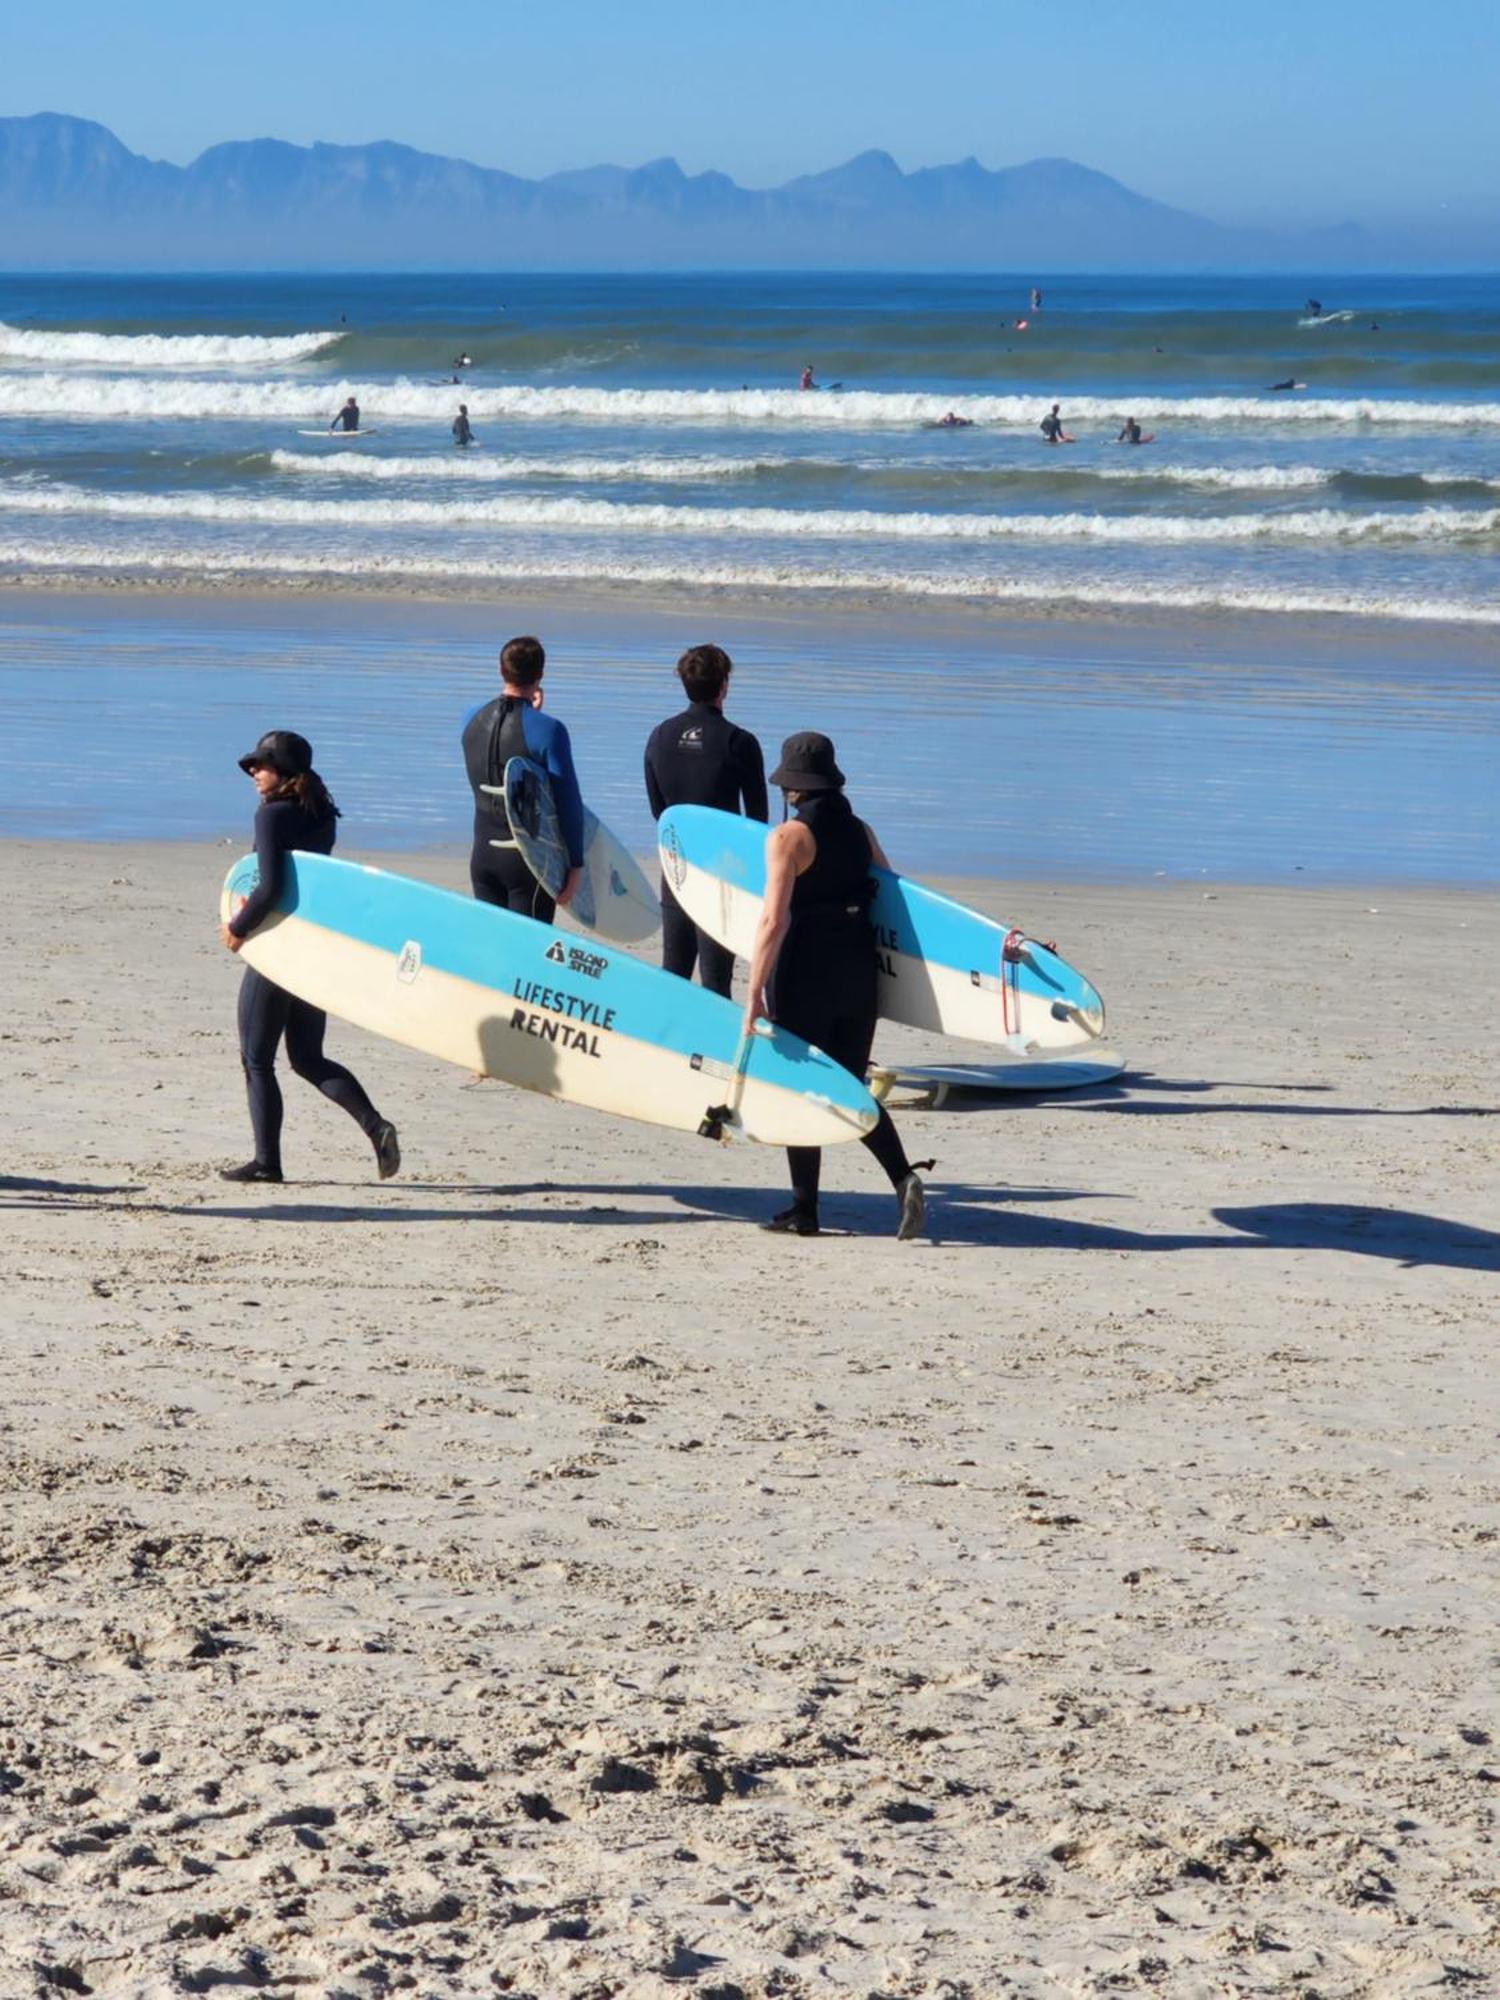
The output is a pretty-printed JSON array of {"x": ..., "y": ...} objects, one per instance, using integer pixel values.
[
  {"x": 813, "y": 969},
  {"x": 295, "y": 814}
]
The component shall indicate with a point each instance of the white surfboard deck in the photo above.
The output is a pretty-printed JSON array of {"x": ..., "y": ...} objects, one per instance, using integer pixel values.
[
  {"x": 930, "y": 1085},
  {"x": 342, "y": 437},
  {"x": 613, "y": 899},
  {"x": 539, "y": 1008},
  {"x": 943, "y": 967}
]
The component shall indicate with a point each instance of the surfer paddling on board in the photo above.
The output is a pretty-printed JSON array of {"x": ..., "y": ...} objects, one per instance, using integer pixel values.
[
  {"x": 1052, "y": 428},
  {"x": 698, "y": 758},
  {"x": 463, "y": 435},
  {"x": 347, "y": 418},
  {"x": 295, "y": 815},
  {"x": 513, "y": 725},
  {"x": 814, "y": 968}
]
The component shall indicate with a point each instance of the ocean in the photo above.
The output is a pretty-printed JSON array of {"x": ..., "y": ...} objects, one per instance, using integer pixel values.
[
  {"x": 651, "y": 430},
  {"x": 977, "y": 615}
]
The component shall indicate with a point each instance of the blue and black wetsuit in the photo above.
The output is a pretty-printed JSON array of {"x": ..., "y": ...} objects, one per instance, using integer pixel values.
[
  {"x": 267, "y": 1013},
  {"x": 493, "y": 733},
  {"x": 700, "y": 758},
  {"x": 824, "y": 986}
]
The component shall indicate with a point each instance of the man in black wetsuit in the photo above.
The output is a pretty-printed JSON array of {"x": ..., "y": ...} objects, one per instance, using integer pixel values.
[
  {"x": 347, "y": 418},
  {"x": 698, "y": 758},
  {"x": 513, "y": 725},
  {"x": 462, "y": 433}
]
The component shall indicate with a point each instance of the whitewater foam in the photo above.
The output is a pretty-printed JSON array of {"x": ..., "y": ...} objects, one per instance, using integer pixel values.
[
  {"x": 1324, "y": 524},
  {"x": 160, "y": 350},
  {"x": 484, "y": 467},
  {"x": 355, "y": 570},
  {"x": 104, "y": 396}
]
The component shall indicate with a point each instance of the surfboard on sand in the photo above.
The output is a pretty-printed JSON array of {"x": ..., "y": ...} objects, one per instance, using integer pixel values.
[
  {"x": 613, "y": 896},
  {"x": 942, "y": 966},
  {"x": 540, "y": 1008},
  {"x": 930, "y": 1085}
]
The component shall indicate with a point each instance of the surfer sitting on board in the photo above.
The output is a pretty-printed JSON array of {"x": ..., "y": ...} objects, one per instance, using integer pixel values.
[
  {"x": 814, "y": 970},
  {"x": 462, "y": 434},
  {"x": 513, "y": 725},
  {"x": 1132, "y": 433},
  {"x": 1052, "y": 429},
  {"x": 347, "y": 418},
  {"x": 807, "y": 381},
  {"x": 295, "y": 815},
  {"x": 698, "y": 758}
]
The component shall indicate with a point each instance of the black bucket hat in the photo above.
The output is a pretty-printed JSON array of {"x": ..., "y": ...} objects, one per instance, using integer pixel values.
[
  {"x": 287, "y": 753},
  {"x": 807, "y": 765}
]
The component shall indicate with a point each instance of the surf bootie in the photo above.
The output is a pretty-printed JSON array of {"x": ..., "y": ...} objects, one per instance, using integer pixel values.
[
  {"x": 794, "y": 1222},
  {"x": 912, "y": 1199},
  {"x": 387, "y": 1150},
  {"x": 252, "y": 1170}
]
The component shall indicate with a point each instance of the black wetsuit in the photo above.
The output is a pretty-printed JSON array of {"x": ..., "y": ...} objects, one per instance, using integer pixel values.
[
  {"x": 462, "y": 434},
  {"x": 1051, "y": 428},
  {"x": 347, "y": 419},
  {"x": 824, "y": 984},
  {"x": 267, "y": 1013},
  {"x": 698, "y": 758},
  {"x": 493, "y": 733}
]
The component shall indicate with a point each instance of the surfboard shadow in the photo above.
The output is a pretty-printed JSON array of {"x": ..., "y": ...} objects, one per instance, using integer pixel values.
[{"x": 1400, "y": 1234}]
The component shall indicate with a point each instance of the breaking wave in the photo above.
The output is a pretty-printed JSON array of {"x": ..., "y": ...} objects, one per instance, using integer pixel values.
[
  {"x": 1324, "y": 524},
  {"x": 355, "y": 570},
  {"x": 482, "y": 467},
  {"x": 160, "y": 350},
  {"x": 102, "y": 396}
]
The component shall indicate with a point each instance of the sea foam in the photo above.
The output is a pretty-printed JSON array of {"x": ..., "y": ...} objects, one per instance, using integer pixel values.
[{"x": 159, "y": 350}]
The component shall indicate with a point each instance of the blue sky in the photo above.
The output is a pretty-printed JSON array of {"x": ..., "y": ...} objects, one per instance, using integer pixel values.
[{"x": 1274, "y": 111}]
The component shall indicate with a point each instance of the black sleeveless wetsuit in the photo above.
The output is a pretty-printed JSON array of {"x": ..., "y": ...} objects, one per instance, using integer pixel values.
[
  {"x": 267, "y": 1013},
  {"x": 824, "y": 984}
]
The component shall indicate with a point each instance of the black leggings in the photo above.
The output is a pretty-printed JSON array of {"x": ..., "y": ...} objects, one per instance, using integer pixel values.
[
  {"x": 266, "y": 1014},
  {"x": 684, "y": 945},
  {"x": 823, "y": 989},
  {"x": 498, "y": 875}
]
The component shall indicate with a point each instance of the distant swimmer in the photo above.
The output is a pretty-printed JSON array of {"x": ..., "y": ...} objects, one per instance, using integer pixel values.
[
  {"x": 462, "y": 434},
  {"x": 952, "y": 422},
  {"x": 1036, "y": 300},
  {"x": 1272, "y": 387},
  {"x": 807, "y": 381},
  {"x": 1313, "y": 308},
  {"x": 1052, "y": 429},
  {"x": 347, "y": 418}
]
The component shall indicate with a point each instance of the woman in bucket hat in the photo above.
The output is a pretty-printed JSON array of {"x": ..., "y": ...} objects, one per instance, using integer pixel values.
[
  {"x": 295, "y": 814},
  {"x": 814, "y": 968}
]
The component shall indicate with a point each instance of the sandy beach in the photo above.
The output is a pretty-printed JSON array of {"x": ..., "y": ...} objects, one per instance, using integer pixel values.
[{"x": 525, "y": 1577}]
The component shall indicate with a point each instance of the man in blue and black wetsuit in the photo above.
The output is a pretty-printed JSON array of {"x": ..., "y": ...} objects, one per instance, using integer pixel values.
[
  {"x": 700, "y": 758},
  {"x": 513, "y": 725}
]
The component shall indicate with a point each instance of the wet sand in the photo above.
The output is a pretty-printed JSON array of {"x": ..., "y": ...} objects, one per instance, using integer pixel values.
[{"x": 524, "y": 1576}]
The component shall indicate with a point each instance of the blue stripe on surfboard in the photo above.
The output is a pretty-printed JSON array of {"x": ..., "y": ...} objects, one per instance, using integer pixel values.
[
  {"x": 469, "y": 939},
  {"x": 919, "y": 922}
]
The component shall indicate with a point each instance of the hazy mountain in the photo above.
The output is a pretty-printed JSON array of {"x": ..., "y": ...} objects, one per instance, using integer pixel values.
[{"x": 71, "y": 194}]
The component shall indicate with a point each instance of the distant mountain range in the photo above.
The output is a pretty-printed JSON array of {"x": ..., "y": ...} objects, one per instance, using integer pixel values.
[{"x": 72, "y": 195}]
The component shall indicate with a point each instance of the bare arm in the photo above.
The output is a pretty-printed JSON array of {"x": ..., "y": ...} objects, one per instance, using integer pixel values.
[{"x": 790, "y": 849}]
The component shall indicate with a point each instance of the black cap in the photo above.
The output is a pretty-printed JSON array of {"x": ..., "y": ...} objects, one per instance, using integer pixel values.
[
  {"x": 807, "y": 765},
  {"x": 287, "y": 753}
]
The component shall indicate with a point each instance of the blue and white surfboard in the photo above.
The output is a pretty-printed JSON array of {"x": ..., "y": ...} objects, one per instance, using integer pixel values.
[
  {"x": 613, "y": 897},
  {"x": 942, "y": 966},
  {"x": 541, "y": 1008}
]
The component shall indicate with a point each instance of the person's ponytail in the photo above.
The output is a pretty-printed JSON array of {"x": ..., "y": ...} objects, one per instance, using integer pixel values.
[{"x": 308, "y": 791}]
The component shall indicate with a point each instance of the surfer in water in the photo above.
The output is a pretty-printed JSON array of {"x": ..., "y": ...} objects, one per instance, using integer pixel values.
[
  {"x": 1273, "y": 387},
  {"x": 698, "y": 758},
  {"x": 1132, "y": 433},
  {"x": 814, "y": 969},
  {"x": 953, "y": 422},
  {"x": 295, "y": 815},
  {"x": 807, "y": 381},
  {"x": 513, "y": 725},
  {"x": 347, "y": 418},
  {"x": 1052, "y": 427},
  {"x": 462, "y": 434},
  {"x": 1036, "y": 300}
]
